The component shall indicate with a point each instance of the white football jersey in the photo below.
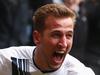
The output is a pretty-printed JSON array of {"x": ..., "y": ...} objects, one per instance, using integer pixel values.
[{"x": 18, "y": 61}]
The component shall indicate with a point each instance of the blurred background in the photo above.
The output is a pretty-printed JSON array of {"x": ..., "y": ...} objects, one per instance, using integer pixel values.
[{"x": 16, "y": 27}]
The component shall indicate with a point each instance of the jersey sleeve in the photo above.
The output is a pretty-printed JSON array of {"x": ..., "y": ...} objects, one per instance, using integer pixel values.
[
  {"x": 75, "y": 67},
  {"x": 5, "y": 66}
]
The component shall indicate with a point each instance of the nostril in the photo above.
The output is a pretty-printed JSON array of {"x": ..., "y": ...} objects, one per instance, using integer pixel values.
[{"x": 62, "y": 45}]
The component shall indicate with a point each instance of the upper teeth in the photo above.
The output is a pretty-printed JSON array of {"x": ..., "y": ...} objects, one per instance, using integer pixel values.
[{"x": 60, "y": 52}]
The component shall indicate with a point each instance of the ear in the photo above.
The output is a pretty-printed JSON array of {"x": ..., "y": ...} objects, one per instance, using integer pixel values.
[{"x": 36, "y": 37}]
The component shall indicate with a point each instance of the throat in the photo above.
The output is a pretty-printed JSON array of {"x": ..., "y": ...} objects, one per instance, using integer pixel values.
[{"x": 39, "y": 61}]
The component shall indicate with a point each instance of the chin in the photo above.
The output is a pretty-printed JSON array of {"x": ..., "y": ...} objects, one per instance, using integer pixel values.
[{"x": 55, "y": 67}]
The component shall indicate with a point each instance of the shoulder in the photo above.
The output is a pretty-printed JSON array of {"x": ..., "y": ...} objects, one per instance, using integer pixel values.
[
  {"x": 16, "y": 51},
  {"x": 73, "y": 65},
  {"x": 17, "y": 48},
  {"x": 15, "y": 56}
]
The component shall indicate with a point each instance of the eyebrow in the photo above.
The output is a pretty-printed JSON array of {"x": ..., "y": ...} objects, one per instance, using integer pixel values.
[{"x": 57, "y": 31}]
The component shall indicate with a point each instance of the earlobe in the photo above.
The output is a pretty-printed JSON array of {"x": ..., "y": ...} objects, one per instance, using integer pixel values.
[{"x": 36, "y": 37}]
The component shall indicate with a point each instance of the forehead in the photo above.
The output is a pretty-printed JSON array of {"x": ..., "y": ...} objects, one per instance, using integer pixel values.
[{"x": 53, "y": 22}]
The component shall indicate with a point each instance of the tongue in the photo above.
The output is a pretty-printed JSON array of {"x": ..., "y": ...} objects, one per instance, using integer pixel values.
[{"x": 57, "y": 58}]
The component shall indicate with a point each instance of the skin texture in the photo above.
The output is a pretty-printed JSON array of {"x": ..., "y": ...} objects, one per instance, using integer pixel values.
[{"x": 54, "y": 43}]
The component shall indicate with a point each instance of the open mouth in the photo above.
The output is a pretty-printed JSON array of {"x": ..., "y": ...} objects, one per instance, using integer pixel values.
[{"x": 58, "y": 56}]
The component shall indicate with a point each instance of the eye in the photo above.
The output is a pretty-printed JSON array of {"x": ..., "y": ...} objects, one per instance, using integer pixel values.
[
  {"x": 69, "y": 35},
  {"x": 56, "y": 35}
]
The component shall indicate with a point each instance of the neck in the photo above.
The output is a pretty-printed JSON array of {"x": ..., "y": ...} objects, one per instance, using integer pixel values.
[{"x": 39, "y": 60}]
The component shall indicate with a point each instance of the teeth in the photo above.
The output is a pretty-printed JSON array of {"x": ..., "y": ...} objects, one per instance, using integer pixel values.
[
  {"x": 58, "y": 56},
  {"x": 61, "y": 52}
]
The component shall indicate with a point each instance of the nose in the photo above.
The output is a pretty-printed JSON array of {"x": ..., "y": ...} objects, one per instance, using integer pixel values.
[{"x": 63, "y": 42}]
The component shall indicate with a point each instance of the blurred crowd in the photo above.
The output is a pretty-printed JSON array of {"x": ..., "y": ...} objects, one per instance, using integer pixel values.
[{"x": 16, "y": 26}]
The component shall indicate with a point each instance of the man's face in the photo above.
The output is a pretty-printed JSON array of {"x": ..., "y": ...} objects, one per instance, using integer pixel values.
[{"x": 56, "y": 40}]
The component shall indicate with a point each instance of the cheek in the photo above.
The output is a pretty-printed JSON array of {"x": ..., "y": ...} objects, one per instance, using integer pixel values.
[
  {"x": 70, "y": 44},
  {"x": 51, "y": 42}
]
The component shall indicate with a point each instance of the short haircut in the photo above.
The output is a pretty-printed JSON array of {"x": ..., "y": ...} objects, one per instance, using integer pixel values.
[{"x": 56, "y": 10}]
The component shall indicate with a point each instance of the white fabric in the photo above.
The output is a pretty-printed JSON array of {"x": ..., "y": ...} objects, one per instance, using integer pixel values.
[
  {"x": 71, "y": 65},
  {"x": 58, "y": 1}
]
